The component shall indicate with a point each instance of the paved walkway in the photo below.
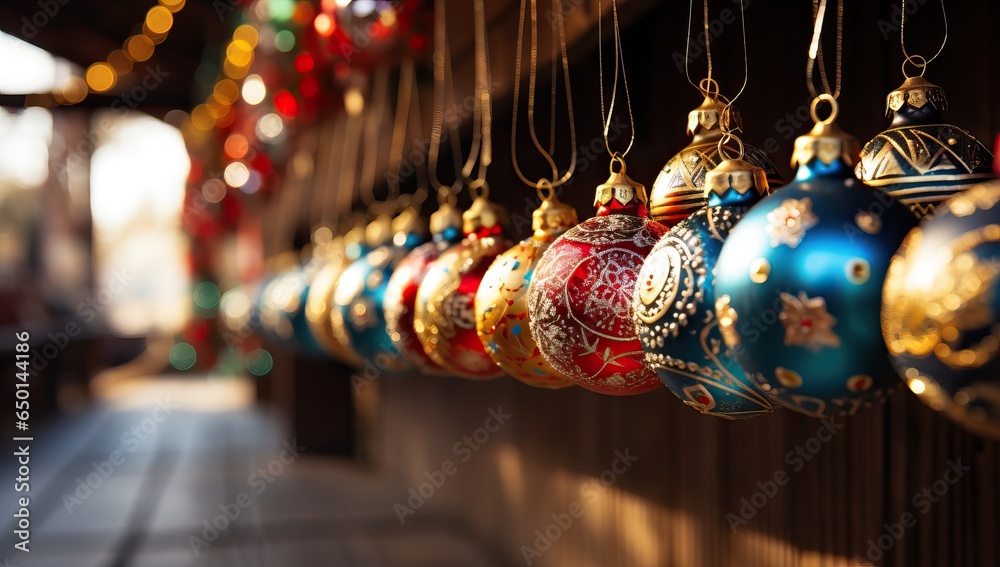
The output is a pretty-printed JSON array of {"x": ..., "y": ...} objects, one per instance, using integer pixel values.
[{"x": 156, "y": 478}]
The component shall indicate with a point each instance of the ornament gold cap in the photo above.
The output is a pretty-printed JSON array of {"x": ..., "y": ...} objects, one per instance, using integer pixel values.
[
  {"x": 619, "y": 187},
  {"x": 408, "y": 221},
  {"x": 705, "y": 120},
  {"x": 482, "y": 215},
  {"x": 736, "y": 174},
  {"x": 826, "y": 141},
  {"x": 447, "y": 216},
  {"x": 378, "y": 231},
  {"x": 915, "y": 92},
  {"x": 553, "y": 217}
]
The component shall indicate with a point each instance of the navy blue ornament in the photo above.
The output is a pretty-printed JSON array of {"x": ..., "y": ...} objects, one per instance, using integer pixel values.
[
  {"x": 940, "y": 306},
  {"x": 674, "y": 303},
  {"x": 799, "y": 281},
  {"x": 357, "y": 317},
  {"x": 920, "y": 159}
]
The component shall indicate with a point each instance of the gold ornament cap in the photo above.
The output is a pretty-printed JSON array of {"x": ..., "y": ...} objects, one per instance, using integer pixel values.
[
  {"x": 446, "y": 217},
  {"x": 408, "y": 221},
  {"x": 915, "y": 92},
  {"x": 378, "y": 231},
  {"x": 826, "y": 141},
  {"x": 553, "y": 217},
  {"x": 704, "y": 122},
  {"x": 619, "y": 187},
  {"x": 735, "y": 174},
  {"x": 483, "y": 216}
]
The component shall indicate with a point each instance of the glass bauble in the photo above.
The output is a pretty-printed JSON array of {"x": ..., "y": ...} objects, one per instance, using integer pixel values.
[
  {"x": 502, "y": 318},
  {"x": 580, "y": 298},
  {"x": 674, "y": 303},
  {"x": 401, "y": 292},
  {"x": 357, "y": 317},
  {"x": 799, "y": 282},
  {"x": 920, "y": 160},
  {"x": 679, "y": 189},
  {"x": 940, "y": 305},
  {"x": 444, "y": 316},
  {"x": 337, "y": 256}
]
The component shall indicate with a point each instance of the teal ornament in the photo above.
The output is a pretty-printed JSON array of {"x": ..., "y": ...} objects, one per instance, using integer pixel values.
[
  {"x": 799, "y": 281},
  {"x": 358, "y": 317},
  {"x": 674, "y": 303}
]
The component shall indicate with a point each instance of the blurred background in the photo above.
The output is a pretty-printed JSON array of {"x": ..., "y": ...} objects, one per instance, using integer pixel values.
[{"x": 165, "y": 166}]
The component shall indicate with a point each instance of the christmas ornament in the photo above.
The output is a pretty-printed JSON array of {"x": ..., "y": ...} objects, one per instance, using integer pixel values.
[
  {"x": 502, "y": 318},
  {"x": 359, "y": 319},
  {"x": 674, "y": 303},
  {"x": 400, "y": 297},
  {"x": 580, "y": 298},
  {"x": 679, "y": 189},
  {"x": 443, "y": 317},
  {"x": 940, "y": 305},
  {"x": 341, "y": 253},
  {"x": 799, "y": 281},
  {"x": 921, "y": 160}
]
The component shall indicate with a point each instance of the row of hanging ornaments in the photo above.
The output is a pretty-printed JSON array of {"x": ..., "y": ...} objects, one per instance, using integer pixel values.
[{"x": 738, "y": 294}]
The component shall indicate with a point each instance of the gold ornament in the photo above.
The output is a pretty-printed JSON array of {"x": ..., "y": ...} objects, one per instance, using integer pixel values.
[
  {"x": 502, "y": 304},
  {"x": 444, "y": 317},
  {"x": 679, "y": 189}
]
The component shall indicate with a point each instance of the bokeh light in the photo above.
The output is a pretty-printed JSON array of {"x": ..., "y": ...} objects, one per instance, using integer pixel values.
[
  {"x": 206, "y": 295},
  {"x": 259, "y": 362},
  {"x": 254, "y": 90},
  {"x": 183, "y": 356},
  {"x": 236, "y": 174},
  {"x": 101, "y": 77}
]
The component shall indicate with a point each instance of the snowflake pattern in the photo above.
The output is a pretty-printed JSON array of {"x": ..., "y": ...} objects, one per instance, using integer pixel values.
[
  {"x": 807, "y": 322},
  {"x": 788, "y": 223}
]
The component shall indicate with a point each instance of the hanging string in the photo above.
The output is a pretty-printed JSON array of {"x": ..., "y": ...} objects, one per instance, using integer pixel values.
[
  {"x": 705, "y": 91},
  {"x": 563, "y": 59},
  {"x": 917, "y": 60},
  {"x": 373, "y": 129},
  {"x": 416, "y": 133},
  {"x": 816, "y": 50},
  {"x": 619, "y": 63},
  {"x": 726, "y": 123},
  {"x": 347, "y": 186},
  {"x": 331, "y": 141},
  {"x": 442, "y": 83},
  {"x": 482, "y": 147},
  {"x": 400, "y": 121}
]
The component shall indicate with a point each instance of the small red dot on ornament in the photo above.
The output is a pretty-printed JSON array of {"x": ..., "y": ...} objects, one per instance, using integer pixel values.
[
  {"x": 807, "y": 323},
  {"x": 510, "y": 302},
  {"x": 703, "y": 400}
]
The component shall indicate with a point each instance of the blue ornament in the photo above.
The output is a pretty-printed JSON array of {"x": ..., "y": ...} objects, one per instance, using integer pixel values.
[
  {"x": 920, "y": 159},
  {"x": 799, "y": 281},
  {"x": 940, "y": 306},
  {"x": 357, "y": 317},
  {"x": 674, "y": 303}
]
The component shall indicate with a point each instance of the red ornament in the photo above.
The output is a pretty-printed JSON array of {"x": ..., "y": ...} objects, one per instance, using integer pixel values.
[
  {"x": 580, "y": 299},
  {"x": 401, "y": 291}
]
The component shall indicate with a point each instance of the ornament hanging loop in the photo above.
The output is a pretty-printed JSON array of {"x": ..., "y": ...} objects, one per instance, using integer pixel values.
[
  {"x": 446, "y": 196},
  {"x": 709, "y": 87},
  {"x": 619, "y": 158},
  {"x": 917, "y": 61},
  {"x": 545, "y": 189},
  {"x": 727, "y": 138},
  {"x": 479, "y": 188},
  {"x": 834, "y": 109}
]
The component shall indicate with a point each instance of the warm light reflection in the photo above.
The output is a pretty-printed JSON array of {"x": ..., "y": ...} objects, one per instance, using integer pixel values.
[
  {"x": 270, "y": 127},
  {"x": 324, "y": 25},
  {"x": 354, "y": 101},
  {"x": 101, "y": 77},
  {"x": 28, "y": 69},
  {"x": 24, "y": 147},
  {"x": 254, "y": 90},
  {"x": 236, "y": 174},
  {"x": 917, "y": 386},
  {"x": 139, "y": 47},
  {"x": 138, "y": 175},
  {"x": 159, "y": 19},
  {"x": 248, "y": 34}
]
